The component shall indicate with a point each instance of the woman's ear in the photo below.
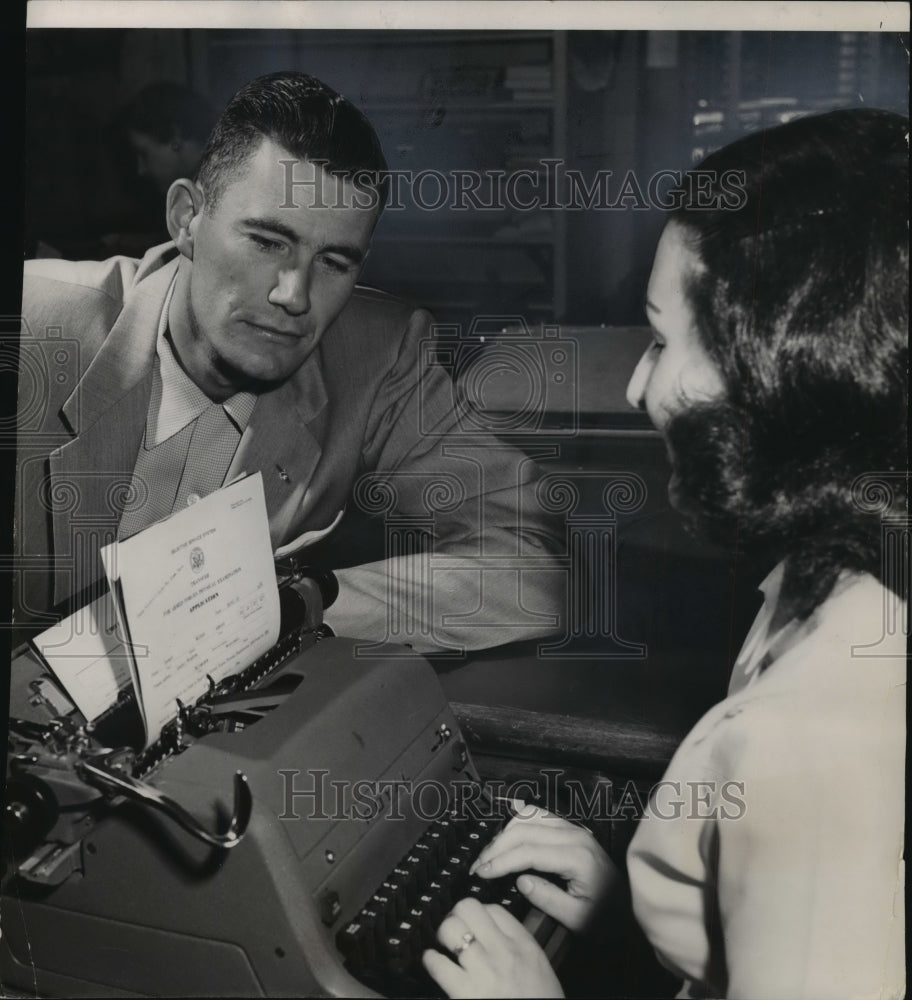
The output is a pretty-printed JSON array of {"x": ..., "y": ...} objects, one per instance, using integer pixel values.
[{"x": 184, "y": 204}]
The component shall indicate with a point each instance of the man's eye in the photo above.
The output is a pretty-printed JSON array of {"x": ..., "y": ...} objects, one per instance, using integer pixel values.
[
  {"x": 336, "y": 266},
  {"x": 264, "y": 243}
]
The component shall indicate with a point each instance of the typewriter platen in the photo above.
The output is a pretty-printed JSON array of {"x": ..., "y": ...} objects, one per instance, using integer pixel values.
[{"x": 302, "y": 830}]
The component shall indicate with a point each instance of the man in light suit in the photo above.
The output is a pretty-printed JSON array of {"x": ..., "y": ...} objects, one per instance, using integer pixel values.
[{"x": 246, "y": 346}]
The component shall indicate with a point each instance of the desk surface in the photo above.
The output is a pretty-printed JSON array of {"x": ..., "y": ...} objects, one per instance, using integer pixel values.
[{"x": 690, "y": 607}]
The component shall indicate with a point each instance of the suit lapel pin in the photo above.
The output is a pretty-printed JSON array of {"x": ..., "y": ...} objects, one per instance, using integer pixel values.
[{"x": 283, "y": 474}]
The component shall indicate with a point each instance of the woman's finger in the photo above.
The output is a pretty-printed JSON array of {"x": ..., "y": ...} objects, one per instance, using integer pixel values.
[
  {"x": 506, "y": 922},
  {"x": 455, "y": 934},
  {"x": 558, "y": 836},
  {"x": 469, "y": 932},
  {"x": 453, "y": 980},
  {"x": 571, "y": 911},
  {"x": 476, "y": 918},
  {"x": 496, "y": 955},
  {"x": 568, "y": 857}
]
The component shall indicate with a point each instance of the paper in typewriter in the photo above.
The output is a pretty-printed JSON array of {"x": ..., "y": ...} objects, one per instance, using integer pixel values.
[
  {"x": 89, "y": 656},
  {"x": 197, "y": 597}
]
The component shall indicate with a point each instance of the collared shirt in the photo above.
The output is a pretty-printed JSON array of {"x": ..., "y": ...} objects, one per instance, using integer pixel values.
[
  {"x": 189, "y": 441},
  {"x": 755, "y": 652},
  {"x": 176, "y": 400},
  {"x": 763, "y": 644}
]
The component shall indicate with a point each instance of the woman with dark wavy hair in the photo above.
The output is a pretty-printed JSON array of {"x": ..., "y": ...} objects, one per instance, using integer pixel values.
[{"x": 778, "y": 378}]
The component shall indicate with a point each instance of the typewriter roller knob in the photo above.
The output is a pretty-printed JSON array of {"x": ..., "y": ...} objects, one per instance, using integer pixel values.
[{"x": 325, "y": 579}]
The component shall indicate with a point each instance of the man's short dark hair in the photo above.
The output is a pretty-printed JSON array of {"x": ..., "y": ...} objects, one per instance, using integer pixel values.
[
  {"x": 803, "y": 304},
  {"x": 303, "y": 116}
]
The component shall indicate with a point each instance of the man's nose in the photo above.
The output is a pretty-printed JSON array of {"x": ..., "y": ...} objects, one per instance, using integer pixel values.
[
  {"x": 636, "y": 387},
  {"x": 292, "y": 291}
]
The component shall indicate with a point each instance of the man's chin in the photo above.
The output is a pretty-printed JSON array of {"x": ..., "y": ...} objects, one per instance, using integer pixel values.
[{"x": 244, "y": 380}]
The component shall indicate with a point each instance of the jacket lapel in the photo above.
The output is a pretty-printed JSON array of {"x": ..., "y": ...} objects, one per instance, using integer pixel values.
[
  {"x": 91, "y": 474},
  {"x": 125, "y": 358}
]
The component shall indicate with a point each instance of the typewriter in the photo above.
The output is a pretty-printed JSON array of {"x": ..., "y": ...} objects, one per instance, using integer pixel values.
[{"x": 301, "y": 830}]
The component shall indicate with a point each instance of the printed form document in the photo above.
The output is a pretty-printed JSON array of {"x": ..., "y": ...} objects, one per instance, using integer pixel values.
[{"x": 196, "y": 598}]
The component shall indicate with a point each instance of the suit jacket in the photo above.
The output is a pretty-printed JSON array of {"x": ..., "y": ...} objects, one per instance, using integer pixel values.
[
  {"x": 769, "y": 863},
  {"x": 367, "y": 401}
]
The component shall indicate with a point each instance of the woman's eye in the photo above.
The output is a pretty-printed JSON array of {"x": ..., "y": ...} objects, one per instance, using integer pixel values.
[{"x": 656, "y": 346}]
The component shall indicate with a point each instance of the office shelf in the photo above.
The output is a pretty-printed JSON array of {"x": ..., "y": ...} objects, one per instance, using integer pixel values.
[{"x": 444, "y": 102}]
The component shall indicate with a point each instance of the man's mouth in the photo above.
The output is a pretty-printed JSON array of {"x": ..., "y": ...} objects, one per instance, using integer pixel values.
[{"x": 276, "y": 331}]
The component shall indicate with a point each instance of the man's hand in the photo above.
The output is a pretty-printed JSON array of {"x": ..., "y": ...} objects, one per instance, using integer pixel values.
[
  {"x": 495, "y": 955},
  {"x": 537, "y": 839}
]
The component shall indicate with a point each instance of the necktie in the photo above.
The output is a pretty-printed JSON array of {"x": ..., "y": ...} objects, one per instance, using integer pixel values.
[
  {"x": 187, "y": 466},
  {"x": 214, "y": 442}
]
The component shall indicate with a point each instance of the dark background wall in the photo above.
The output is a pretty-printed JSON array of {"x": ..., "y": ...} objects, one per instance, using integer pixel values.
[{"x": 451, "y": 101}]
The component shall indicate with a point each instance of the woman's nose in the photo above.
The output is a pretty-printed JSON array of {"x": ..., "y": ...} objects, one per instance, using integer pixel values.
[{"x": 636, "y": 387}]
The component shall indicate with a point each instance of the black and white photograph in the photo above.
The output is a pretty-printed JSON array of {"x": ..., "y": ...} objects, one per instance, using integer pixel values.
[{"x": 456, "y": 462}]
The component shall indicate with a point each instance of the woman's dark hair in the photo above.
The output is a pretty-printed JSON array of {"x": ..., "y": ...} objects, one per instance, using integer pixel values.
[
  {"x": 802, "y": 302},
  {"x": 302, "y": 115},
  {"x": 165, "y": 110}
]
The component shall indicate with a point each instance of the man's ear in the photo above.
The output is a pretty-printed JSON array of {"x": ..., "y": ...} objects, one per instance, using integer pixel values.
[{"x": 183, "y": 206}]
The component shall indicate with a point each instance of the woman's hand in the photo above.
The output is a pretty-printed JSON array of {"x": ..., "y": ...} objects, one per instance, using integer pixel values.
[
  {"x": 495, "y": 956},
  {"x": 537, "y": 839}
]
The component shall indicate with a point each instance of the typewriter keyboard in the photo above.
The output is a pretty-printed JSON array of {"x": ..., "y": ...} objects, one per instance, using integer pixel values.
[{"x": 383, "y": 944}]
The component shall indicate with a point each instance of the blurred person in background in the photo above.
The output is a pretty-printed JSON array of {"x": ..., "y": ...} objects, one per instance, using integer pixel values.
[
  {"x": 167, "y": 125},
  {"x": 160, "y": 136}
]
